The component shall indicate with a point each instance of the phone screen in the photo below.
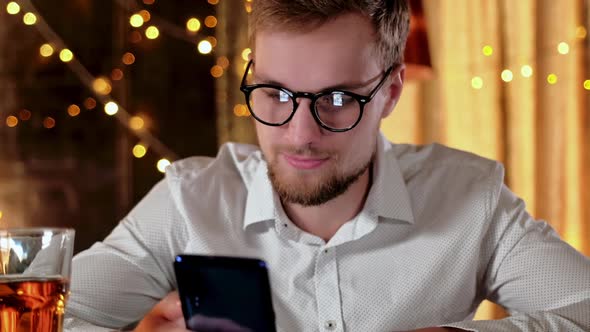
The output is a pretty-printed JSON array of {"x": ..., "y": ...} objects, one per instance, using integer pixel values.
[{"x": 224, "y": 293}]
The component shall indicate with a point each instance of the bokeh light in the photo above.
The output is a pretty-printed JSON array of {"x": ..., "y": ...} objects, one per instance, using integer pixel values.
[
  {"x": 66, "y": 55},
  {"x": 46, "y": 50},
  {"x": 205, "y": 47},
  {"x": 111, "y": 108},
  {"x": 193, "y": 24}
]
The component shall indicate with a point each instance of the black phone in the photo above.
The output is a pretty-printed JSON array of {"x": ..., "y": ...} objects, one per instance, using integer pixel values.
[{"x": 224, "y": 293}]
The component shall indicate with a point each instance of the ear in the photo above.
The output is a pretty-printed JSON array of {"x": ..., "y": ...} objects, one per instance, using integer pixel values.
[{"x": 394, "y": 89}]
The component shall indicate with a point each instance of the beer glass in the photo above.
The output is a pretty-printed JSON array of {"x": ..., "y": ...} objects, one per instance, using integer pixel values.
[{"x": 34, "y": 278}]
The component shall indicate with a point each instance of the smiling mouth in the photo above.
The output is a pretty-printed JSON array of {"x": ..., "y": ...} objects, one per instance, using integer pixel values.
[{"x": 303, "y": 162}]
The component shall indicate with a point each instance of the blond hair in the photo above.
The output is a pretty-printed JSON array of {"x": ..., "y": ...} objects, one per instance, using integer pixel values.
[{"x": 390, "y": 19}]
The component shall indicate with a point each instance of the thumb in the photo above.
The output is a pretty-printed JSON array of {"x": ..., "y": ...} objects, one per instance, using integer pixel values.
[{"x": 170, "y": 307}]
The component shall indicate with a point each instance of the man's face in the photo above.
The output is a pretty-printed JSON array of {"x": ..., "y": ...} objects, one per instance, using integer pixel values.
[{"x": 309, "y": 165}]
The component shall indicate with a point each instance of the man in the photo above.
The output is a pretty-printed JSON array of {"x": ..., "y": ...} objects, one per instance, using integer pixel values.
[{"x": 359, "y": 234}]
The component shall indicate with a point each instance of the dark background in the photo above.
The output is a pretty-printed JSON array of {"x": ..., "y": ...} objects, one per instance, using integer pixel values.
[{"x": 81, "y": 173}]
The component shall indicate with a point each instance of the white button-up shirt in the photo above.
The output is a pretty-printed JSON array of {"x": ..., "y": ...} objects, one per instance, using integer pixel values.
[{"x": 439, "y": 232}]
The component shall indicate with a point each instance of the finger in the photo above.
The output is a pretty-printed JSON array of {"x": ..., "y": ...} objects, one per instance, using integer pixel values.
[{"x": 170, "y": 308}]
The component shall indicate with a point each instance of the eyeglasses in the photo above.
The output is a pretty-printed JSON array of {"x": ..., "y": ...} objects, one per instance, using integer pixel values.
[{"x": 335, "y": 110}]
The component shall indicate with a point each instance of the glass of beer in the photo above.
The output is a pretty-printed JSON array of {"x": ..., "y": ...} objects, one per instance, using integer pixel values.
[{"x": 34, "y": 278}]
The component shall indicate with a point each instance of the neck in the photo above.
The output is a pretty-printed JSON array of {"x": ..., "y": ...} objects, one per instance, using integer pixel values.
[{"x": 325, "y": 220}]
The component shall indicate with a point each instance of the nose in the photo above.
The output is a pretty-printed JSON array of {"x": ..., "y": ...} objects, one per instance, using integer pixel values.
[{"x": 303, "y": 129}]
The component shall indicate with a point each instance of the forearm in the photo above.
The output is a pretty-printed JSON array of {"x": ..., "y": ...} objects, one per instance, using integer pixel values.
[{"x": 571, "y": 318}]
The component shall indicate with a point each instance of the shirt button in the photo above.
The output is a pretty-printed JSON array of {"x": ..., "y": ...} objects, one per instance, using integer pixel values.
[{"x": 330, "y": 325}]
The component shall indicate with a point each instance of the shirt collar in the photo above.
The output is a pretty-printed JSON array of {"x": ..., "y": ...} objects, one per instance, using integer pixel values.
[{"x": 388, "y": 197}]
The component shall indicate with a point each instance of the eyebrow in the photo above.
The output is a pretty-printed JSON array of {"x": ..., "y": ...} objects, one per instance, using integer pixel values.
[{"x": 342, "y": 86}]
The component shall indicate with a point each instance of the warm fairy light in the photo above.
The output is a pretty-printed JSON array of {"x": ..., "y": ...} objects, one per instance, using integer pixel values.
[
  {"x": 136, "y": 122},
  {"x": 48, "y": 122},
  {"x": 477, "y": 82},
  {"x": 205, "y": 47},
  {"x": 128, "y": 58},
  {"x": 213, "y": 2},
  {"x": 149, "y": 2},
  {"x": 487, "y": 50},
  {"x": 12, "y": 8},
  {"x": 111, "y": 108},
  {"x": 139, "y": 150},
  {"x": 193, "y": 24},
  {"x": 102, "y": 86},
  {"x": 210, "y": 21},
  {"x": 29, "y": 19},
  {"x": 1, "y": 214},
  {"x": 146, "y": 15},
  {"x": 152, "y": 32},
  {"x": 552, "y": 78},
  {"x": 46, "y": 50},
  {"x": 563, "y": 48},
  {"x": 117, "y": 74},
  {"x": 581, "y": 32},
  {"x": 241, "y": 110},
  {"x": 248, "y": 7},
  {"x": 66, "y": 55},
  {"x": 162, "y": 164},
  {"x": 507, "y": 75},
  {"x": 135, "y": 37},
  {"x": 526, "y": 71},
  {"x": 73, "y": 110},
  {"x": 212, "y": 40},
  {"x": 136, "y": 20},
  {"x": 246, "y": 54},
  {"x": 24, "y": 114},
  {"x": 216, "y": 71},
  {"x": 587, "y": 84},
  {"x": 223, "y": 61},
  {"x": 89, "y": 103},
  {"x": 11, "y": 121}
]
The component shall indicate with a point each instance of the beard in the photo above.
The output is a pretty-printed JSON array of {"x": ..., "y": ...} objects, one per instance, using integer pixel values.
[{"x": 330, "y": 184}]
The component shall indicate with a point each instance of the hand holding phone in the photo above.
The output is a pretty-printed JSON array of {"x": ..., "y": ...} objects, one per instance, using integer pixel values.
[{"x": 224, "y": 293}]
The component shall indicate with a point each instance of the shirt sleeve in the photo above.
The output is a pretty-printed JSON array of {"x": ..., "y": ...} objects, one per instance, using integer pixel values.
[
  {"x": 540, "y": 280},
  {"x": 117, "y": 281}
]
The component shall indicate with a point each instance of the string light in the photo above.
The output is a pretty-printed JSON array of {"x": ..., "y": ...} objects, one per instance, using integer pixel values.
[
  {"x": 12, "y": 8},
  {"x": 223, "y": 61},
  {"x": 136, "y": 20},
  {"x": 111, "y": 108},
  {"x": 46, "y": 50},
  {"x": 149, "y": 2},
  {"x": 29, "y": 19},
  {"x": 507, "y": 75},
  {"x": 216, "y": 71},
  {"x": 135, "y": 37},
  {"x": 73, "y": 110},
  {"x": 48, "y": 122},
  {"x": 210, "y": 21},
  {"x": 563, "y": 48},
  {"x": 24, "y": 114},
  {"x": 552, "y": 79},
  {"x": 145, "y": 15},
  {"x": 193, "y": 24},
  {"x": 205, "y": 47},
  {"x": 152, "y": 32},
  {"x": 581, "y": 32},
  {"x": 213, "y": 2},
  {"x": 211, "y": 40},
  {"x": 1, "y": 214},
  {"x": 66, "y": 55},
  {"x": 241, "y": 110},
  {"x": 477, "y": 82},
  {"x": 248, "y": 7},
  {"x": 11, "y": 121},
  {"x": 526, "y": 71},
  {"x": 139, "y": 150},
  {"x": 246, "y": 54},
  {"x": 136, "y": 122},
  {"x": 587, "y": 84},
  {"x": 162, "y": 164},
  {"x": 89, "y": 103},
  {"x": 117, "y": 74},
  {"x": 128, "y": 58},
  {"x": 102, "y": 86},
  {"x": 487, "y": 50}
]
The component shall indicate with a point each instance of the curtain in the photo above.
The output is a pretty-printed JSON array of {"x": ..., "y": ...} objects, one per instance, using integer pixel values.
[{"x": 539, "y": 130}]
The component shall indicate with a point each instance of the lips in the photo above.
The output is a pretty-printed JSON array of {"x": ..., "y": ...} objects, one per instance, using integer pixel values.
[{"x": 301, "y": 162}]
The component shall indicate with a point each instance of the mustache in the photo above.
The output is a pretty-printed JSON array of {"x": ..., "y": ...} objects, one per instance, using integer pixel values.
[{"x": 304, "y": 151}]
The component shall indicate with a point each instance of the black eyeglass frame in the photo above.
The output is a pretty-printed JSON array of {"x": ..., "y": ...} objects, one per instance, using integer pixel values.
[{"x": 362, "y": 100}]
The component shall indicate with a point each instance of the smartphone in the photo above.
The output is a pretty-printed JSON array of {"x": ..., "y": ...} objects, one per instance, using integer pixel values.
[{"x": 224, "y": 293}]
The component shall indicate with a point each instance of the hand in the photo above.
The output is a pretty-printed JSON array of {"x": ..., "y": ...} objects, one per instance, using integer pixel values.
[
  {"x": 438, "y": 329},
  {"x": 166, "y": 316}
]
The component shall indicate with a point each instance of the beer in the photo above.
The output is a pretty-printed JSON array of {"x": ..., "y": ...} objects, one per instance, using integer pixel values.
[{"x": 32, "y": 304}]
